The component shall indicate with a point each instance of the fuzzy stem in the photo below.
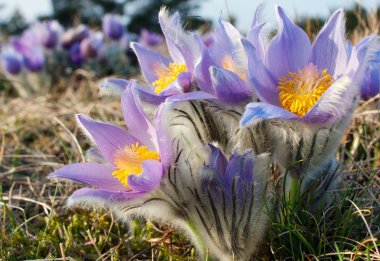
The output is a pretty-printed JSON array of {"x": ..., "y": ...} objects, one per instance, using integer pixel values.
[{"x": 198, "y": 240}]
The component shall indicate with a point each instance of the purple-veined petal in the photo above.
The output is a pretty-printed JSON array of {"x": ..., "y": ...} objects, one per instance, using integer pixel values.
[
  {"x": 182, "y": 45},
  {"x": 90, "y": 173},
  {"x": 255, "y": 111},
  {"x": 290, "y": 49},
  {"x": 228, "y": 86},
  {"x": 108, "y": 138},
  {"x": 100, "y": 198},
  {"x": 149, "y": 179},
  {"x": 265, "y": 84},
  {"x": 329, "y": 49},
  {"x": 217, "y": 159},
  {"x": 136, "y": 120},
  {"x": 335, "y": 103},
  {"x": 151, "y": 62},
  {"x": 198, "y": 95}
]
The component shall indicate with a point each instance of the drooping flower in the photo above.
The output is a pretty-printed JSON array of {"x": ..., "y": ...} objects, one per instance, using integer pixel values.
[
  {"x": 113, "y": 26},
  {"x": 74, "y": 35},
  {"x": 32, "y": 54},
  {"x": 370, "y": 85},
  {"x": 48, "y": 33},
  {"x": 150, "y": 39},
  {"x": 75, "y": 54},
  {"x": 11, "y": 61},
  {"x": 89, "y": 47},
  {"x": 134, "y": 161}
]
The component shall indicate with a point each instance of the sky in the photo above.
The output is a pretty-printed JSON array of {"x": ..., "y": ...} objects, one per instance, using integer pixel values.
[{"x": 241, "y": 9}]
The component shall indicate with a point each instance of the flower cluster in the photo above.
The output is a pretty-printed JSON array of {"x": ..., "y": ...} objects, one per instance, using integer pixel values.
[
  {"x": 230, "y": 119},
  {"x": 45, "y": 48}
]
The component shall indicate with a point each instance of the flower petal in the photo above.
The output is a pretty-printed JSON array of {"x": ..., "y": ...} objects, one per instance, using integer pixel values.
[
  {"x": 107, "y": 137},
  {"x": 255, "y": 111},
  {"x": 135, "y": 118},
  {"x": 217, "y": 159},
  {"x": 191, "y": 96},
  {"x": 151, "y": 62},
  {"x": 290, "y": 49},
  {"x": 182, "y": 45},
  {"x": 164, "y": 140},
  {"x": 335, "y": 103},
  {"x": 149, "y": 96},
  {"x": 100, "y": 198},
  {"x": 90, "y": 173},
  {"x": 263, "y": 80},
  {"x": 329, "y": 49},
  {"x": 112, "y": 86},
  {"x": 149, "y": 179},
  {"x": 228, "y": 86},
  {"x": 360, "y": 57},
  {"x": 202, "y": 71}
]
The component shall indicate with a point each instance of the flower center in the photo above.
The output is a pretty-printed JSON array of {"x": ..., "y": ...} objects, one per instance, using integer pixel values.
[
  {"x": 129, "y": 161},
  {"x": 167, "y": 76},
  {"x": 299, "y": 92},
  {"x": 229, "y": 64}
]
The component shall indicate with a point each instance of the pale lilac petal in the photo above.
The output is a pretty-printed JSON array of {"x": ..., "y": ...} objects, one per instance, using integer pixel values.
[
  {"x": 112, "y": 86},
  {"x": 335, "y": 103},
  {"x": 255, "y": 111},
  {"x": 360, "y": 57},
  {"x": 265, "y": 84},
  {"x": 100, "y": 198},
  {"x": 151, "y": 62},
  {"x": 254, "y": 34},
  {"x": 107, "y": 137},
  {"x": 329, "y": 49},
  {"x": 202, "y": 72},
  {"x": 182, "y": 45},
  {"x": 164, "y": 140},
  {"x": 135, "y": 118},
  {"x": 199, "y": 95},
  {"x": 184, "y": 80},
  {"x": 228, "y": 86},
  {"x": 149, "y": 179},
  {"x": 90, "y": 173},
  {"x": 149, "y": 95},
  {"x": 290, "y": 49}
]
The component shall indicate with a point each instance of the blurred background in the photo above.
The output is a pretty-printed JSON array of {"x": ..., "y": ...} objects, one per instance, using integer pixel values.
[{"x": 16, "y": 14}]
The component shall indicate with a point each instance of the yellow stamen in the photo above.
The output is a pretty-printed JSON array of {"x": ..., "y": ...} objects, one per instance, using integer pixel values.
[
  {"x": 299, "y": 92},
  {"x": 129, "y": 161},
  {"x": 168, "y": 76},
  {"x": 229, "y": 64}
]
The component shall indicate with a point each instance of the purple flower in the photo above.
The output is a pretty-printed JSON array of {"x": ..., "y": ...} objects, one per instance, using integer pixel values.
[
  {"x": 169, "y": 75},
  {"x": 296, "y": 80},
  {"x": 48, "y": 33},
  {"x": 75, "y": 54},
  {"x": 89, "y": 47},
  {"x": 113, "y": 26},
  {"x": 135, "y": 160},
  {"x": 150, "y": 39},
  {"x": 370, "y": 85},
  {"x": 74, "y": 35},
  {"x": 11, "y": 61}
]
